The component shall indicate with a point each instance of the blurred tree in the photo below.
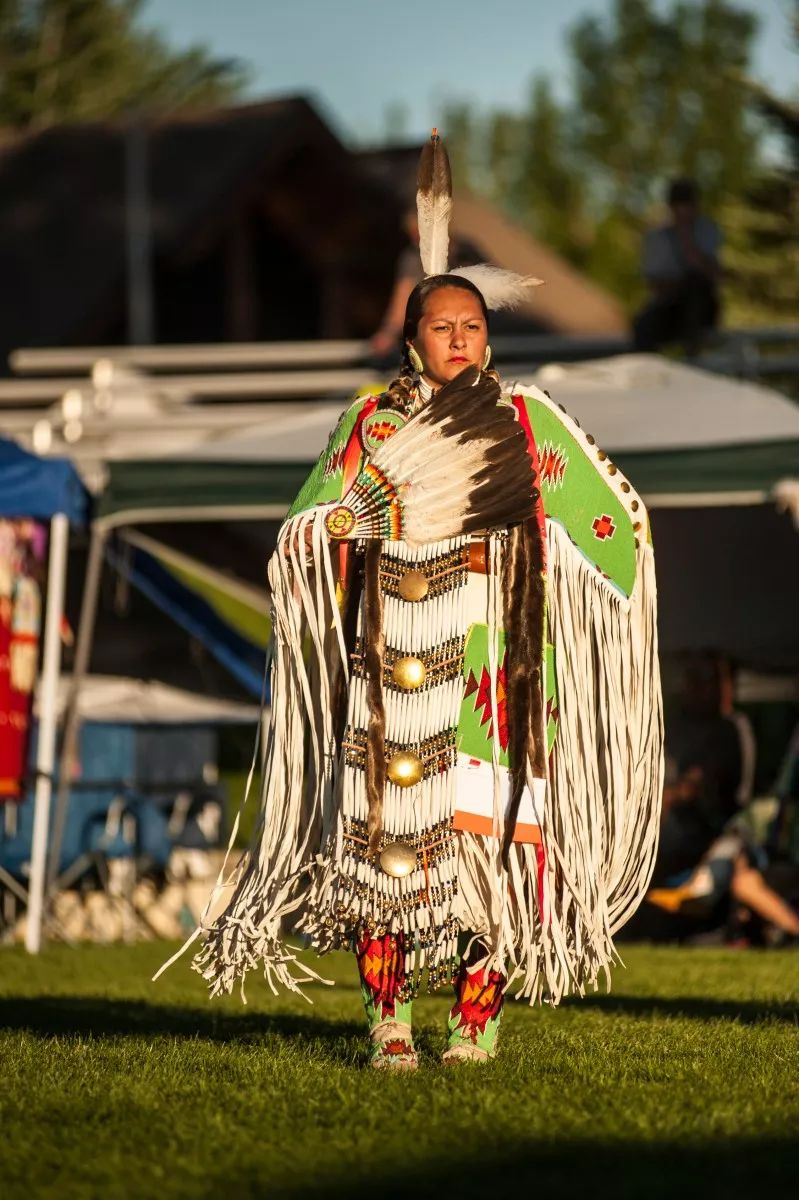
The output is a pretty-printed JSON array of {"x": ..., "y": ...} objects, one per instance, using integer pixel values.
[
  {"x": 74, "y": 60},
  {"x": 762, "y": 223},
  {"x": 464, "y": 131},
  {"x": 656, "y": 95},
  {"x": 658, "y": 91},
  {"x": 548, "y": 193}
]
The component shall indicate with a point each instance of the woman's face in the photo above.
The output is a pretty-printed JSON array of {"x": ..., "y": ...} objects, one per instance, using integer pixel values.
[{"x": 452, "y": 334}]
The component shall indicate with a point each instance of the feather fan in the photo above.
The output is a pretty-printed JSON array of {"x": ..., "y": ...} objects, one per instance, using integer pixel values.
[
  {"x": 499, "y": 288},
  {"x": 434, "y": 206},
  {"x": 459, "y": 465}
]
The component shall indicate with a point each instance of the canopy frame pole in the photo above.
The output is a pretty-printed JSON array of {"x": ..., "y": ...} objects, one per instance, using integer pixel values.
[
  {"x": 45, "y": 751},
  {"x": 83, "y": 648}
]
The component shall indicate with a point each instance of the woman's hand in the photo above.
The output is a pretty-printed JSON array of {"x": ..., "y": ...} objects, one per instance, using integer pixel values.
[{"x": 292, "y": 544}]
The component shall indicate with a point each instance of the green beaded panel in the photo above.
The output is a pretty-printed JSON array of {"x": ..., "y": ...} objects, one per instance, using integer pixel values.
[
  {"x": 576, "y": 494},
  {"x": 474, "y": 724}
]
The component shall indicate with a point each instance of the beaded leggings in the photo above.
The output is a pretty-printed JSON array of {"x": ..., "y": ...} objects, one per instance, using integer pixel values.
[{"x": 479, "y": 994}]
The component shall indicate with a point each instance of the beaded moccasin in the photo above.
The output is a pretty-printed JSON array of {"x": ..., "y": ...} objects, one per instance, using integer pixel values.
[{"x": 392, "y": 1047}]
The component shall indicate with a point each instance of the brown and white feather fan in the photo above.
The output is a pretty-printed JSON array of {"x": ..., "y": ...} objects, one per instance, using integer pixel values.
[
  {"x": 460, "y": 465},
  {"x": 434, "y": 206}
]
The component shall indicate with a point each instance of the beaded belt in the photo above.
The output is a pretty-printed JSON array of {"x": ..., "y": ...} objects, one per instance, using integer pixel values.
[
  {"x": 421, "y": 671},
  {"x": 423, "y": 580},
  {"x": 436, "y": 754},
  {"x": 431, "y": 845}
]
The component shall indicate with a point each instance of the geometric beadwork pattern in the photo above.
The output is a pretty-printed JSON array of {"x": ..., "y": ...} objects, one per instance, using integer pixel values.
[
  {"x": 480, "y": 689},
  {"x": 553, "y": 462},
  {"x": 603, "y": 527}
]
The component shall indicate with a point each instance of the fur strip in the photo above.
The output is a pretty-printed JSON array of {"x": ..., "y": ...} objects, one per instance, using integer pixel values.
[
  {"x": 373, "y": 640},
  {"x": 523, "y": 599}
]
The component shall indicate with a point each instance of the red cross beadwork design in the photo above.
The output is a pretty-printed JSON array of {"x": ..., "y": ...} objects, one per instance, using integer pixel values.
[{"x": 603, "y": 527}]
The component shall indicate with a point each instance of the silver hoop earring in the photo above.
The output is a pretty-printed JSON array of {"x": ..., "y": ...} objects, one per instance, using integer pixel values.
[
  {"x": 486, "y": 358},
  {"x": 415, "y": 360}
]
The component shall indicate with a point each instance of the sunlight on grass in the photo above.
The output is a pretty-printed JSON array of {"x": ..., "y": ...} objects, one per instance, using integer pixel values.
[{"x": 113, "y": 1086}]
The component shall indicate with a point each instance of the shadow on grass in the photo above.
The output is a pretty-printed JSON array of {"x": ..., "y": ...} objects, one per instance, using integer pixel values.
[
  {"x": 624, "y": 1171},
  {"x": 89, "y": 1016},
  {"x": 700, "y": 1008}
]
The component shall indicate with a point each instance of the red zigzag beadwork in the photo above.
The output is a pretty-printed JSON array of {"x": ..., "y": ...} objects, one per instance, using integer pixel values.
[{"x": 481, "y": 690}]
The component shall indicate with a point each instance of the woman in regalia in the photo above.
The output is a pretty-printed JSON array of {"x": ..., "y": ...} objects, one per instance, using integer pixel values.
[{"x": 463, "y": 768}]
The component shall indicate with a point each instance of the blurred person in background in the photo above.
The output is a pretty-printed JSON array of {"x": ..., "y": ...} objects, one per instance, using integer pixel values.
[
  {"x": 680, "y": 263},
  {"x": 386, "y": 342},
  {"x": 709, "y": 876}
]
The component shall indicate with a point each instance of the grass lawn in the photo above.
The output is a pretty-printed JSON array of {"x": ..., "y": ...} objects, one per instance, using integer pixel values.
[{"x": 683, "y": 1082}]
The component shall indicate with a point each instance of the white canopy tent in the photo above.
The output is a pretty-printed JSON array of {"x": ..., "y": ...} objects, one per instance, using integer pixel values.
[
  {"x": 716, "y": 460},
  {"x": 117, "y": 699},
  {"x": 703, "y": 439}
]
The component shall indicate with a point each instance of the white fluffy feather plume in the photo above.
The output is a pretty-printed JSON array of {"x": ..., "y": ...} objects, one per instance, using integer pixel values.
[
  {"x": 499, "y": 288},
  {"x": 434, "y": 206}
]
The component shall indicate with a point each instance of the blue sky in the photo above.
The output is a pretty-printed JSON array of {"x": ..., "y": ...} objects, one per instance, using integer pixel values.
[{"x": 357, "y": 57}]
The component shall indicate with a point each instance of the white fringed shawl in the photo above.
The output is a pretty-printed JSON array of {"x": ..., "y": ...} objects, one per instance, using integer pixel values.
[{"x": 603, "y": 795}]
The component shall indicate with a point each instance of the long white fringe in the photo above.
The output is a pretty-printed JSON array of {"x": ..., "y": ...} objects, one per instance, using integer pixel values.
[
  {"x": 271, "y": 879},
  {"x": 603, "y": 797},
  {"x": 602, "y": 810},
  {"x": 346, "y": 890},
  {"x": 603, "y": 802}
]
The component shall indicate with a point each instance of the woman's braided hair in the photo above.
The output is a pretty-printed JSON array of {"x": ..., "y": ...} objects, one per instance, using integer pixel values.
[{"x": 399, "y": 394}]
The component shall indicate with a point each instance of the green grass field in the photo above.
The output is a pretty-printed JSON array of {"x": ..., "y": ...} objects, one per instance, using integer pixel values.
[{"x": 683, "y": 1082}]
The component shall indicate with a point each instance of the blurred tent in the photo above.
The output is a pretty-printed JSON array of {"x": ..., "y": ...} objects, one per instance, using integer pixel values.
[
  {"x": 31, "y": 486},
  {"x": 120, "y": 700},
  {"x": 710, "y": 455},
  {"x": 230, "y": 617},
  {"x": 226, "y": 613},
  {"x": 46, "y": 490},
  {"x": 717, "y": 461},
  {"x": 146, "y": 787},
  {"x": 682, "y": 435}
]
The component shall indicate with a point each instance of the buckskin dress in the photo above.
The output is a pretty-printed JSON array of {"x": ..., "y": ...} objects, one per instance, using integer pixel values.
[{"x": 585, "y": 835}]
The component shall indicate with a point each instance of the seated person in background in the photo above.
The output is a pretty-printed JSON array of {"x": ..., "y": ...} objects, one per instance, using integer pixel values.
[
  {"x": 681, "y": 267},
  {"x": 408, "y": 273},
  {"x": 704, "y": 862}
]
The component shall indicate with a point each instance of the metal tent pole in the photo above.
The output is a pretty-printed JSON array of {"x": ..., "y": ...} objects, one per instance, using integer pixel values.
[
  {"x": 48, "y": 699},
  {"x": 83, "y": 649}
]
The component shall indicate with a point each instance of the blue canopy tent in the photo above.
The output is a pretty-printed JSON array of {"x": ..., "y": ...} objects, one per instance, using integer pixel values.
[
  {"x": 40, "y": 487},
  {"x": 47, "y": 490}
]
